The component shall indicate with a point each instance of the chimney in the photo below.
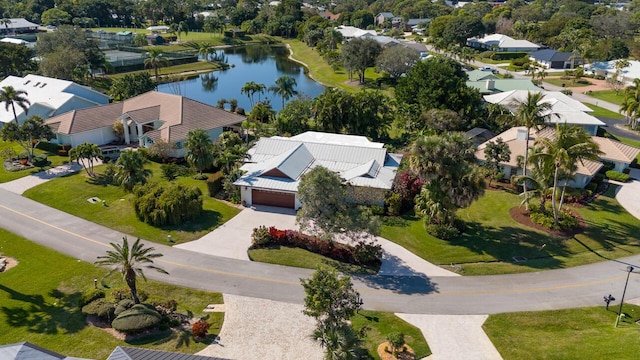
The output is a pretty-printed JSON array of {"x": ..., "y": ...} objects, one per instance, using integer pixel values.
[
  {"x": 522, "y": 134},
  {"x": 491, "y": 84}
]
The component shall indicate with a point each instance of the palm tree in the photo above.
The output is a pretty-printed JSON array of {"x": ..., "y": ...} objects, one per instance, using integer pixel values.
[
  {"x": 130, "y": 170},
  {"x": 251, "y": 88},
  {"x": 339, "y": 341},
  {"x": 334, "y": 37},
  {"x": 127, "y": 261},
  {"x": 90, "y": 153},
  {"x": 155, "y": 59},
  {"x": 631, "y": 104},
  {"x": 540, "y": 178},
  {"x": 12, "y": 97},
  {"x": 534, "y": 112},
  {"x": 200, "y": 152},
  {"x": 204, "y": 49},
  {"x": 569, "y": 145},
  {"x": 285, "y": 86},
  {"x": 6, "y": 22}
]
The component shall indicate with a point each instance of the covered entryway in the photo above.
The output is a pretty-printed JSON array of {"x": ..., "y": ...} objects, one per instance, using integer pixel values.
[{"x": 272, "y": 198}]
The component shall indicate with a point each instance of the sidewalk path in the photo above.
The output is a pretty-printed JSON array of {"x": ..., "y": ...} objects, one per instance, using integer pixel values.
[
  {"x": 454, "y": 337},
  {"x": 628, "y": 195},
  {"x": 19, "y": 186}
]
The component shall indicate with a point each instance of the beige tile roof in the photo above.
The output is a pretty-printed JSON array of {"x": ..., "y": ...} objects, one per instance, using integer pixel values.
[
  {"x": 518, "y": 147},
  {"x": 178, "y": 114},
  {"x": 616, "y": 151}
]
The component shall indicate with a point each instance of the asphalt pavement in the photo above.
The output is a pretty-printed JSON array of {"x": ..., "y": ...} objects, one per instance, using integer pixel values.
[{"x": 552, "y": 289}]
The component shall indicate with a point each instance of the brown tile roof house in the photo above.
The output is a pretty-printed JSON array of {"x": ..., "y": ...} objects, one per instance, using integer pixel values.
[{"x": 150, "y": 117}]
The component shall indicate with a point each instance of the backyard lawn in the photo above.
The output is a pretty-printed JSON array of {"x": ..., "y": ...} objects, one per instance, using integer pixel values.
[
  {"x": 119, "y": 214},
  {"x": 585, "y": 333},
  {"x": 39, "y": 300},
  {"x": 493, "y": 238},
  {"x": 6, "y": 176}
]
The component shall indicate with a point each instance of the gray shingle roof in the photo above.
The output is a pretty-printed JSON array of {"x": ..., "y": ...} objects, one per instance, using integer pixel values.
[
  {"x": 551, "y": 55},
  {"x": 131, "y": 353}
]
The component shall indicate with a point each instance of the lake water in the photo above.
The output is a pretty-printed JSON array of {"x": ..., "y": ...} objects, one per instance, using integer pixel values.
[{"x": 261, "y": 64}]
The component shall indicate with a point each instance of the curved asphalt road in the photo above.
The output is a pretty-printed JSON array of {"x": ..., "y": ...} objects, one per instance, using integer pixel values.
[{"x": 574, "y": 287}]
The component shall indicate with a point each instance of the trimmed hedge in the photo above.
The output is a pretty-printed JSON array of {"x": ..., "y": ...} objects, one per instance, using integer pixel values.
[
  {"x": 138, "y": 318},
  {"x": 618, "y": 176},
  {"x": 101, "y": 308},
  {"x": 508, "y": 55},
  {"x": 214, "y": 183},
  {"x": 363, "y": 253},
  {"x": 90, "y": 296}
]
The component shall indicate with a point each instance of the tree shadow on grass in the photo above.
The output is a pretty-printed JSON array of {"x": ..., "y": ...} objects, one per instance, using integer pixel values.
[
  {"x": 509, "y": 242},
  {"x": 208, "y": 219},
  {"x": 416, "y": 284},
  {"x": 39, "y": 316}
]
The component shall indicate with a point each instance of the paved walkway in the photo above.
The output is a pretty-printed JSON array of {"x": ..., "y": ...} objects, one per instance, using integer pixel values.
[
  {"x": 233, "y": 239},
  {"x": 455, "y": 337},
  {"x": 19, "y": 186},
  {"x": 628, "y": 195}
]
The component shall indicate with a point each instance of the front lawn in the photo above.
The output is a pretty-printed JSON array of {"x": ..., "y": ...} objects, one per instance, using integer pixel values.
[
  {"x": 493, "y": 238},
  {"x": 585, "y": 333},
  {"x": 608, "y": 95},
  {"x": 39, "y": 300},
  {"x": 6, "y": 176},
  {"x": 70, "y": 195},
  {"x": 177, "y": 70},
  {"x": 570, "y": 83},
  {"x": 380, "y": 324}
]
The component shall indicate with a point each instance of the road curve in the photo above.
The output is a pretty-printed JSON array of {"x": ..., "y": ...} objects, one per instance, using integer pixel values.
[{"x": 553, "y": 289}]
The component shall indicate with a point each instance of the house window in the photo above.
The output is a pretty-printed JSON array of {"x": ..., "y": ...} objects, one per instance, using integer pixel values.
[
  {"x": 178, "y": 145},
  {"x": 513, "y": 171}
]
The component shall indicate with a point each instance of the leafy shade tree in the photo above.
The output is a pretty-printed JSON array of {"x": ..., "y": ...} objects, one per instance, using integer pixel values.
[
  {"x": 295, "y": 117},
  {"x": 12, "y": 97},
  {"x": 396, "y": 61},
  {"x": 162, "y": 149},
  {"x": 437, "y": 121},
  {"x": 55, "y": 16},
  {"x": 15, "y": 59},
  {"x": 66, "y": 49},
  {"x": 359, "y": 54},
  {"x": 130, "y": 170},
  {"x": 171, "y": 204},
  {"x": 130, "y": 261},
  {"x": 534, "y": 113},
  {"x": 496, "y": 152},
  {"x": 447, "y": 164},
  {"x": 330, "y": 109},
  {"x": 630, "y": 107},
  {"x": 131, "y": 85},
  {"x": 569, "y": 145},
  {"x": 200, "y": 152},
  {"x": 439, "y": 83},
  {"x": 325, "y": 211},
  {"x": 28, "y": 135},
  {"x": 86, "y": 154},
  {"x": 285, "y": 87},
  {"x": 332, "y": 301},
  {"x": 155, "y": 59}
]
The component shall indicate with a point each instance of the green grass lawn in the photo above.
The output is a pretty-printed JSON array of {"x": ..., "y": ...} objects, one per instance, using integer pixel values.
[
  {"x": 493, "y": 238},
  {"x": 608, "y": 95},
  {"x": 39, "y": 304},
  {"x": 381, "y": 324},
  {"x": 6, "y": 176},
  {"x": 602, "y": 112},
  {"x": 302, "y": 258},
  {"x": 586, "y": 333},
  {"x": 119, "y": 214},
  {"x": 567, "y": 82},
  {"x": 198, "y": 66}
]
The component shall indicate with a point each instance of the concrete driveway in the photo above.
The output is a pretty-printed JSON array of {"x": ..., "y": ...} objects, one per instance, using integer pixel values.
[
  {"x": 233, "y": 238},
  {"x": 629, "y": 195}
]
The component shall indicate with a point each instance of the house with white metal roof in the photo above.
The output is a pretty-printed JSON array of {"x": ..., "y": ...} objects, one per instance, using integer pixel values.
[
  {"x": 351, "y": 32},
  {"x": 49, "y": 97},
  {"x": 608, "y": 69},
  {"x": 564, "y": 109},
  {"x": 18, "y": 26},
  {"x": 273, "y": 171},
  {"x": 502, "y": 43}
]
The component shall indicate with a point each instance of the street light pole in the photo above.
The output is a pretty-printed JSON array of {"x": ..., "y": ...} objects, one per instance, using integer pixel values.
[{"x": 629, "y": 270}]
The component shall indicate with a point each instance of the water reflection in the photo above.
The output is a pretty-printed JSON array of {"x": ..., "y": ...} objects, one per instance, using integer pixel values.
[{"x": 261, "y": 64}]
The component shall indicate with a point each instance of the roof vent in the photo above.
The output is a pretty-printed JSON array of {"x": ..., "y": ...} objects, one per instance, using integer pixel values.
[
  {"x": 36, "y": 85},
  {"x": 43, "y": 85},
  {"x": 28, "y": 81}
]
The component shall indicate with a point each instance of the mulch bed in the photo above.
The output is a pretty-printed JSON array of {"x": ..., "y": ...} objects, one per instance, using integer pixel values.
[
  {"x": 521, "y": 216},
  {"x": 408, "y": 354}
]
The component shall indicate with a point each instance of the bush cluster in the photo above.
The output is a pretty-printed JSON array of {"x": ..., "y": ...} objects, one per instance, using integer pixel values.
[
  {"x": 125, "y": 293},
  {"x": 441, "y": 231},
  {"x": 139, "y": 317},
  {"x": 363, "y": 253},
  {"x": 214, "y": 183},
  {"x": 102, "y": 308},
  {"x": 567, "y": 221},
  {"x": 90, "y": 296},
  {"x": 172, "y": 204},
  {"x": 617, "y": 176},
  {"x": 200, "y": 328},
  {"x": 509, "y": 55}
]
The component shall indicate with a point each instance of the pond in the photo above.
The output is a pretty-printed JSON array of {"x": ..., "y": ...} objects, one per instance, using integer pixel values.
[{"x": 261, "y": 64}]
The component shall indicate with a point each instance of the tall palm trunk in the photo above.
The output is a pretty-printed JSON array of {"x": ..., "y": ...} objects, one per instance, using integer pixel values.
[
  {"x": 524, "y": 170},
  {"x": 131, "y": 282},
  {"x": 564, "y": 188},
  {"x": 15, "y": 115},
  {"x": 553, "y": 195}
]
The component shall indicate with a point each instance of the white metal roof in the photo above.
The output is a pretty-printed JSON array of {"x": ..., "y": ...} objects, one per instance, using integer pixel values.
[
  {"x": 20, "y": 23},
  {"x": 14, "y": 41},
  {"x": 47, "y": 92},
  {"x": 504, "y": 41},
  {"x": 358, "y": 161}
]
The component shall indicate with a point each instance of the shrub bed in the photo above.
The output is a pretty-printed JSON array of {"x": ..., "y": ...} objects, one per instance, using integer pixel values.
[
  {"x": 617, "y": 176},
  {"x": 363, "y": 253}
]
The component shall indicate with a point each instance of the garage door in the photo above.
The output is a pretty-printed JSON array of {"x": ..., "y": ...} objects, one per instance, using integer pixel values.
[{"x": 259, "y": 197}]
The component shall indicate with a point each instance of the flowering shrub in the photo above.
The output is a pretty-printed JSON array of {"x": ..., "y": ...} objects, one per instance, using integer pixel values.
[
  {"x": 362, "y": 254},
  {"x": 200, "y": 328}
]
